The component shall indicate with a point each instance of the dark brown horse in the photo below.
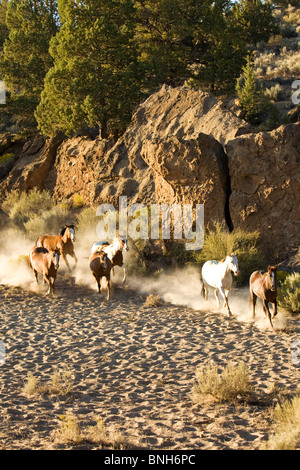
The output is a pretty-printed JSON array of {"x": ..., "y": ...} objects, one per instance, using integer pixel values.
[
  {"x": 62, "y": 242},
  {"x": 263, "y": 285},
  {"x": 45, "y": 263},
  {"x": 100, "y": 265}
]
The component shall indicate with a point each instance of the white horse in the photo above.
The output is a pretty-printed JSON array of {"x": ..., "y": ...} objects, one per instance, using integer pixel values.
[
  {"x": 217, "y": 275},
  {"x": 114, "y": 251}
]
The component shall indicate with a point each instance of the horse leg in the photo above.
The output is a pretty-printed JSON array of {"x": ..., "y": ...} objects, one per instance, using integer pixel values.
[
  {"x": 64, "y": 257},
  {"x": 217, "y": 298},
  {"x": 267, "y": 312},
  {"x": 205, "y": 290},
  {"x": 253, "y": 299},
  {"x": 75, "y": 258},
  {"x": 124, "y": 274},
  {"x": 274, "y": 309},
  {"x": 36, "y": 275},
  {"x": 47, "y": 280},
  {"x": 225, "y": 297},
  {"x": 108, "y": 287}
]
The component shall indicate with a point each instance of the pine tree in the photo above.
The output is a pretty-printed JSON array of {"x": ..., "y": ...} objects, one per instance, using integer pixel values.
[
  {"x": 3, "y": 27},
  {"x": 25, "y": 58},
  {"x": 252, "y": 99},
  {"x": 94, "y": 80}
]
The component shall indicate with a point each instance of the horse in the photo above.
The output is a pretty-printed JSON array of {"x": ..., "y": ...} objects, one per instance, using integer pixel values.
[
  {"x": 217, "y": 275},
  {"x": 114, "y": 251},
  {"x": 63, "y": 242},
  {"x": 263, "y": 285},
  {"x": 101, "y": 265},
  {"x": 46, "y": 263}
]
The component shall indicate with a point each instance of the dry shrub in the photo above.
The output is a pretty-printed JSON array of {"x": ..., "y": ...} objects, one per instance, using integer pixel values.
[
  {"x": 152, "y": 301},
  {"x": 21, "y": 206},
  {"x": 289, "y": 293},
  {"x": 287, "y": 433},
  {"x": 61, "y": 383},
  {"x": 70, "y": 432},
  {"x": 231, "y": 384}
]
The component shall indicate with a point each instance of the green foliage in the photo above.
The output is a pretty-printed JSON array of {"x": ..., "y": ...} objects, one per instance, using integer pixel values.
[
  {"x": 219, "y": 242},
  {"x": 25, "y": 58},
  {"x": 289, "y": 293},
  {"x": 252, "y": 99},
  {"x": 70, "y": 65},
  {"x": 94, "y": 77},
  {"x": 6, "y": 158}
]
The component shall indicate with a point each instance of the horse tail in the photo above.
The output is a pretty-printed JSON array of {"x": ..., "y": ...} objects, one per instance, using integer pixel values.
[{"x": 202, "y": 290}]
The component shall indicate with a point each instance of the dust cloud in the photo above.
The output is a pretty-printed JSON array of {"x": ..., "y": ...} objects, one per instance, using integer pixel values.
[{"x": 180, "y": 287}]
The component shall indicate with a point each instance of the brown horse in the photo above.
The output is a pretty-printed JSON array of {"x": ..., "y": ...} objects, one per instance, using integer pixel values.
[
  {"x": 100, "y": 265},
  {"x": 45, "y": 263},
  {"x": 263, "y": 285},
  {"x": 62, "y": 242}
]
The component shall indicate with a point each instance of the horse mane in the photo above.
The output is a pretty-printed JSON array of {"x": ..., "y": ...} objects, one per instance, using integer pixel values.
[{"x": 65, "y": 228}]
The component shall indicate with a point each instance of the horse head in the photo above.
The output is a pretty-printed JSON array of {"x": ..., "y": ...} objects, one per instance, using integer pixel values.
[
  {"x": 233, "y": 264},
  {"x": 120, "y": 243},
  {"x": 69, "y": 232},
  {"x": 55, "y": 258},
  {"x": 272, "y": 277},
  {"x": 125, "y": 243}
]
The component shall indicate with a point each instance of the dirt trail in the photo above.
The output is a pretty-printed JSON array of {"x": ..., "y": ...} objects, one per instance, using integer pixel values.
[{"x": 134, "y": 366}]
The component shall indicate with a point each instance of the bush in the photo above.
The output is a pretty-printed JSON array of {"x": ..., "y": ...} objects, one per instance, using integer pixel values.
[
  {"x": 78, "y": 200},
  {"x": 21, "y": 206},
  {"x": 87, "y": 220},
  {"x": 50, "y": 221},
  {"x": 289, "y": 293},
  {"x": 219, "y": 242},
  {"x": 231, "y": 383},
  {"x": 287, "y": 435}
]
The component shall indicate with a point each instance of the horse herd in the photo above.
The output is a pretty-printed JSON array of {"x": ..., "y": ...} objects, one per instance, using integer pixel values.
[
  {"x": 45, "y": 255},
  {"x": 44, "y": 259}
]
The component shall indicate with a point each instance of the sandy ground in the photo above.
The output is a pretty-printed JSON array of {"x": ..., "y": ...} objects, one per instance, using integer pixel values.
[{"x": 133, "y": 365}]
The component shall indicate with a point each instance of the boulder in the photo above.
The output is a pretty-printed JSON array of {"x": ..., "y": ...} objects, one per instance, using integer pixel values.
[{"x": 264, "y": 175}]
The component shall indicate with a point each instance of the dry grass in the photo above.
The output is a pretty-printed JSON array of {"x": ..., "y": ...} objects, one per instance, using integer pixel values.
[
  {"x": 70, "y": 432},
  {"x": 61, "y": 383},
  {"x": 229, "y": 385},
  {"x": 287, "y": 433},
  {"x": 152, "y": 301}
]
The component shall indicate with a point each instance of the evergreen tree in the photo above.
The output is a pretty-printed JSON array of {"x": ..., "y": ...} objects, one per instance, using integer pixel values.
[
  {"x": 3, "y": 27},
  {"x": 252, "y": 99},
  {"x": 255, "y": 20},
  {"x": 94, "y": 79},
  {"x": 25, "y": 58}
]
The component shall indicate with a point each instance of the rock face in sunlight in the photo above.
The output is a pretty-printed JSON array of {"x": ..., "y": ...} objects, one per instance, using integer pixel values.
[
  {"x": 264, "y": 173},
  {"x": 183, "y": 145}
]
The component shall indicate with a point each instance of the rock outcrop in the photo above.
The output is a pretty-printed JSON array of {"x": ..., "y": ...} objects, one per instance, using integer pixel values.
[
  {"x": 264, "y": 172},
  {"x": 182, "y": 146}
]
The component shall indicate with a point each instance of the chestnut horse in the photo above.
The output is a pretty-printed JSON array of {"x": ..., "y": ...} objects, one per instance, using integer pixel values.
[
  {"x": 263, "y": 285},
  {"x": 45, "y": 263},
  {"x": 62, "y": 242},
  {"x": 100, "y": 265}
]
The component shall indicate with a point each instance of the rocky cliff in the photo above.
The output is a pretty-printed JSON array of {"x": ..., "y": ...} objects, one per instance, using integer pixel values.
[{"x": 184, "y": 146}]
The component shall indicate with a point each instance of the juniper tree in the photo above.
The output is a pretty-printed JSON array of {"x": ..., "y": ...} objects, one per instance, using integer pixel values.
[{"x": 94, "y": 79}]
